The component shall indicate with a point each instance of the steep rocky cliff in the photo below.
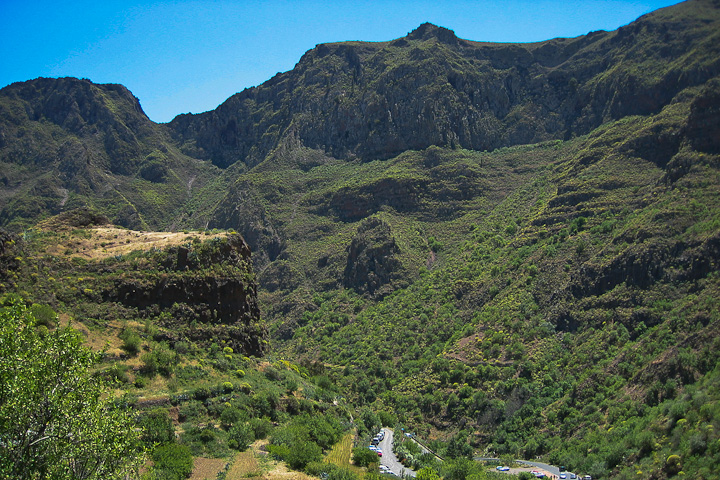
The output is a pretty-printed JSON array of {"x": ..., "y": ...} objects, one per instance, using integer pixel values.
[
  {"x": 372, "y": 263},
  {"x": 204, "y": 292},
  {"x": 375, "y": 100},
  {"x": 67, "y": 143},
  {"x": 196, "y": 290},
  {"x": 534, "y": 226}
]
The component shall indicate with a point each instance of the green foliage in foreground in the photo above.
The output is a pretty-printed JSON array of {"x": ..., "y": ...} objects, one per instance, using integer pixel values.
[
  {"x": 172, "y": 462},
  {"x": 363, "y": 457},
  {"x": 56, "y": 421},
  {"x": 303, "y": 440}
]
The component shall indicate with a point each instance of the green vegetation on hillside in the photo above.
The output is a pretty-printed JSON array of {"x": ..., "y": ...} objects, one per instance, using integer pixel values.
[
  {"x": 509, "y": 250},
  {"x": 56, "y": 421}
]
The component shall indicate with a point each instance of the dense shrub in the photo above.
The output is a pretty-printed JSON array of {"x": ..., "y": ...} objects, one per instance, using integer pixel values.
[
  {"x": 172, "y": 462},
  {"x": 206, "y": 441},
  {"x": 230, "y": 416},
  {"x": 160, "y": 360},
  {"x": 303, "y": 452},
  {"x": 330, "y": 471},
  {"x": 363, "y": 457},
  {"x": 44, "y": 314},
  {"x": 192, "y": 411},
  {"x": 261, "y": 427},
  {"x": 157, "y": 427},
  {"x": 130, "y": 341},
  {"x": 240, "y": 436}
]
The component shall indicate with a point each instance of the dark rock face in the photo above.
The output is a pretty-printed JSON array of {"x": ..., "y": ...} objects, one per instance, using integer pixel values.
[
  {"x": 646, "y": 265},
  {"x": 248, "y": 217},
  {"x": 353, "y": 204},
  {"x": 375, "y": 100},
  {"x": 207, "y": 293},
  {"x": 372, "y": 264},
  {"x": 106, "y": 115},
  {"x": 703, "y": 127}
]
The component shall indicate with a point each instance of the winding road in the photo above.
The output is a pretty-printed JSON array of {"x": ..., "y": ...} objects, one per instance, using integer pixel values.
[
  {"x": 550, "y": 470},
  {"x": 389, "y": 459}
]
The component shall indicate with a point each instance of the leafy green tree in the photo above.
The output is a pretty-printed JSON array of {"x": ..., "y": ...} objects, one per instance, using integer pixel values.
[
  {"x": 460, "y": 469},
  {"x": 56, "y": 420},
  {"x": 362, "y": 457},
  {"x": 427, "y": 473},
  {"x": 230, "y": 416},
  {"x": 324, "y": 430},
  {"x": 241, "y": 436},
  {"x": 157, "y": 427},
  {"x": 303, "y": 452},
  {"x": 172, "y": 462},
  {"x": 458, "y": 447}
]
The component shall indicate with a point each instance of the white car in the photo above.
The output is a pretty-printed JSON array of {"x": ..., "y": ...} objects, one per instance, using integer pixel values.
[{"x": 502, "y": 468}]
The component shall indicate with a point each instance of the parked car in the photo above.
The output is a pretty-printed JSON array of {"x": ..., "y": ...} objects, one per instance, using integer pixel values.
[
  {"x": 502, "y": 468},
  {"x": 562, "y": 475}
]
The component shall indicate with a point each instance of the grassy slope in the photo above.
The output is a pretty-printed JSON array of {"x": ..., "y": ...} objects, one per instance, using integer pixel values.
[
  {"x": 149, "y": 361},
  {"x": 570, "y": 311},
  {"x": 559, "y": 299}
]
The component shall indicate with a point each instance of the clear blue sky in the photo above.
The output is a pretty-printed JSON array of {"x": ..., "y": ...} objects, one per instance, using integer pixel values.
[{"x": 189, "y": 56}]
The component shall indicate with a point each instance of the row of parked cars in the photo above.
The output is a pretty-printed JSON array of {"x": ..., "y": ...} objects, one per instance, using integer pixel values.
[
  {"x": 386, "y": 470},
  {"x": 376, "y": 450},
  {"x": 376, "y": 441},
  {"x": 572, "y": 476}
]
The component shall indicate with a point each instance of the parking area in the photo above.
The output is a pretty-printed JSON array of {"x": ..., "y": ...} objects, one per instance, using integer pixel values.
[{"x": 538, "y": 472}]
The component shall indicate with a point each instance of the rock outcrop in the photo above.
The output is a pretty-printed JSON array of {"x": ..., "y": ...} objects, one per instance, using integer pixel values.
[
  {"x": 372, "y": 262},
  {"x": 204, "y": 292},
  {"x": 375, "y": 100}
]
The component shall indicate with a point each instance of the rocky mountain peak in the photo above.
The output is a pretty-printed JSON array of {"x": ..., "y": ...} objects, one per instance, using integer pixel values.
[{"x": 428, "y": 31}]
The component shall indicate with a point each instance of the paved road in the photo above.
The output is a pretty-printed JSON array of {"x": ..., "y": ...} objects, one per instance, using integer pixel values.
[
  {"x": 389, "y": 459},
  {"x": 548, "y": 469},
  {"x": 544, "y": 466}
]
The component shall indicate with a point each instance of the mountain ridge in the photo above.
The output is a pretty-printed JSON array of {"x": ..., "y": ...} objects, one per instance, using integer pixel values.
[
  {"x": 351, "y": 70},
  {"x": 512, "y": 246}
]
